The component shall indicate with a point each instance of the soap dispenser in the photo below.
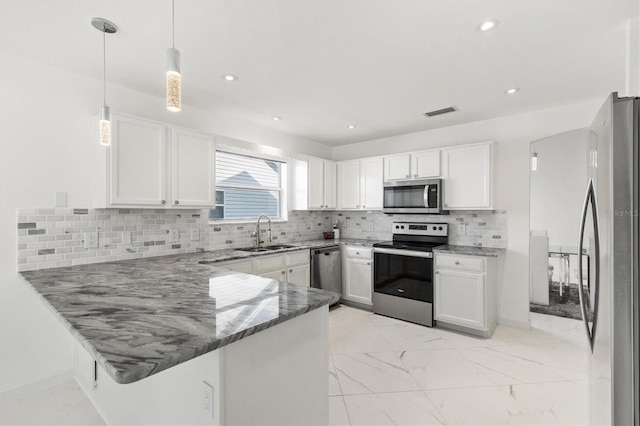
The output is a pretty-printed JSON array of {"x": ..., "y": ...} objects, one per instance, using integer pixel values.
[{"x": 336, "y": 231}]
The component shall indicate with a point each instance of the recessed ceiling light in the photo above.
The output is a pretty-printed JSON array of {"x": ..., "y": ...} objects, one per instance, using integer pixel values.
[
  {"x": 512, "y": 90},
  {"x": 351, "y": 126},
  {"x": 276, "y": 118},
  {"x": 230, "y": 77},
  {"x": 487, "y": 25}
]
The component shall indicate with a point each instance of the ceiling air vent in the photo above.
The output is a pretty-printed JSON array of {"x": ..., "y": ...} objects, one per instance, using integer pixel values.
[{"x": 441, "y": 111}]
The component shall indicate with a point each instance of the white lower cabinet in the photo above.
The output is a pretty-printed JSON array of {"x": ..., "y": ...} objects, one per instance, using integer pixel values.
[
  {"x": 465, "y": 293},
  {"x": 292, "y": 267},
  {"x": 357, "y": 274}
]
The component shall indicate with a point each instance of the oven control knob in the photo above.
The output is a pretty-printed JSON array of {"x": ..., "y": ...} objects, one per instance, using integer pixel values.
[
  {"x": 434, "y": 228},
  {"x": 402, "y": 227},
  {"x": 397, "y": 227},
  {"x": 439, "y": 228}
]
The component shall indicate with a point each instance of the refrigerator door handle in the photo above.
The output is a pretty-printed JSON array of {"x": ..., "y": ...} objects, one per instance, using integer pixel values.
[{"x": 590, "y": 197}]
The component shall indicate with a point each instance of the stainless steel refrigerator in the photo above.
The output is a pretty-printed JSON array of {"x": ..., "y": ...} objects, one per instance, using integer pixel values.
[{"x": 606, "y": 250}]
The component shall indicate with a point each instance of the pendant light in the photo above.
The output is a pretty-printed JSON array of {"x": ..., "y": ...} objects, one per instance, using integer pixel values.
[
  {"x": 174, "y": 79},
  {"x": 534, "y": 161},
  {"x": 105, "y": 27}
]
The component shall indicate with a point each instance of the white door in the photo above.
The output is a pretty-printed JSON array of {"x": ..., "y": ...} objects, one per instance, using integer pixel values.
[
  {"x": 459, "y": 298},
  {"x": 330, "y": 199},
  {"x": 299, "y": 275},
  {"x": 371, "y": 181},
  {"x": 280, "y": 275},
  {"x": 397, "y": 167},
  {"x": 425, "y": 164},
  {"x": 138, "y": 162},
  {"x": 192, "y": 174},
  {"x": 358, "y": 281},
  {"x": 468, "y": 177},
  {"x": 316, "y": 183},
  {"x": 349, "y": 185}
]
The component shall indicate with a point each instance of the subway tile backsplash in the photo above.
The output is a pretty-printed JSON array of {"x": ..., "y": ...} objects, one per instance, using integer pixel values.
[{"x": 52, "y": 238}]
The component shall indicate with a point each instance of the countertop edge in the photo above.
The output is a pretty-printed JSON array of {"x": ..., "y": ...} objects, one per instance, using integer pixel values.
[{"x": 470, "y": 250}]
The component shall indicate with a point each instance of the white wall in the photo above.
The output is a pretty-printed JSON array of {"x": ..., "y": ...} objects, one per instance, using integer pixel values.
[
  {"x": 512, "y": 135},
  {"x": 47, "y": 137},
  {"x": 632, "y": 59}
]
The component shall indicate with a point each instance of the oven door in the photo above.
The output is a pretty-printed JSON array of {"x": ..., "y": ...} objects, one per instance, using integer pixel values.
[{"x": 403, "y": 273}]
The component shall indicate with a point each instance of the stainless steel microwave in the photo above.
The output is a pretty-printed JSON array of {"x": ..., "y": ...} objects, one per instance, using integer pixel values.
[{"x": 416, "y": 196}]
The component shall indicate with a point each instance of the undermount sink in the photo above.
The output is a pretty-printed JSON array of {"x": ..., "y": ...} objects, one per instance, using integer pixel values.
[{"x": 266, "y": 248}]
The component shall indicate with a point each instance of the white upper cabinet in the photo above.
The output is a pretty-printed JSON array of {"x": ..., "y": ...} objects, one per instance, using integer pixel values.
[
  {"x": 349, "y": 184},
  {"x": 192, "y": 176},
  {"x": 371, "y": 192},
  {"x": 468, "y": 177},
  {"x": 151, "y": 165},
  {"x": 138, "y": 163},
  {"x": 413, "y": 165},
  {"x": 425, "y": 164},
  {"x": 360, "y": 184},
  {"x": 322, "y": 184},
  {"x": 397, "y": 167}
]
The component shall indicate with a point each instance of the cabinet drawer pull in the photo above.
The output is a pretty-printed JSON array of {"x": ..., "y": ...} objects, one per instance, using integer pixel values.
[
  {"x": 415, "y": 176},
  {"x": 283, "y": 272},
  {"x": 176, "y": 202},
  {"x": 290, "y": 270},
  {"x": 407, "y": 176},
  {"x": 437, "y": 272},
  {"x": 457, "y": 263},
  {"x": 364, "y": 207},
  {"x": 163, "y": 202},
  {"x": 368, "y": 263}
]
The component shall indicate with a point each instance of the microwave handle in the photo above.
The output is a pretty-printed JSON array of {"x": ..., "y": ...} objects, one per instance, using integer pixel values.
[{"x": 426, "y": 195}]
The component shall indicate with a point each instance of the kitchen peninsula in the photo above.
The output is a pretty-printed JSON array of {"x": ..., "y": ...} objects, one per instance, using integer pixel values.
[{"x": 170, "y": 340}]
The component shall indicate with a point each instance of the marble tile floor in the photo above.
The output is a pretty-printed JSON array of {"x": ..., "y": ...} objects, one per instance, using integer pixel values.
[{"x": 383, "y": 372}]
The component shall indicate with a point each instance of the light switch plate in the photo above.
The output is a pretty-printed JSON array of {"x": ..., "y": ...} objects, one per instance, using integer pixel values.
[
  {"x": 207, "y": 399},
  {"x": 126, "y": 237},
  {"x": 195, "y": 234},
  {"x": 174, "y": 235},
  {"x": 462, "y": 229}
]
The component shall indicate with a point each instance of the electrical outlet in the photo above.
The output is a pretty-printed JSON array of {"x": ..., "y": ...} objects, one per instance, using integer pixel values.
[
  {"x": 195, "y": 234},
  {"x": 207, "y": 399},
  {"x": 91, "y": 239},
  {"x": 126, "y": 237},
  {"x": 174, "y": 235},
  {"x": 462, "y": 229},
  {"x": 371, "y": 226}
]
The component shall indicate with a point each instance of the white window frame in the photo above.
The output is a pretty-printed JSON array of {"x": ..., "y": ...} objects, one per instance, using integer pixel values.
[{"x": 282, "y": 188}]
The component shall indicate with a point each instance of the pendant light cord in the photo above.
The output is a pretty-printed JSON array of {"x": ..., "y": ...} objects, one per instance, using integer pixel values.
[
  {"x": 173, "y": 24},
  {"x": 104, "y": 63}
]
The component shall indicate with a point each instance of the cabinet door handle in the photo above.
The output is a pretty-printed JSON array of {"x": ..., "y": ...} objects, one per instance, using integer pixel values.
[
  {"x": 357, "y": 252},
  {"x": 368, "y": 263},
  {"x": 176, "y": 202},
  {"x": 407, "y": 175},
  {"x": 457, "y": 263},
  {"x": 364, "y": 207},
  {"x": 357, "y": 205},
  {"x": 283, "y": 272},
  {"x": 437, "y": 272},
  {"x": 415, "y": 175},
  {"x": 163, "y": 202},
  {"x": 290, "y": 270}
]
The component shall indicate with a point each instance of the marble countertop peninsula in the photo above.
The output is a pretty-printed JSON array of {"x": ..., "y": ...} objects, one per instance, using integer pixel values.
[
  {"x": 140, "y": 317},
  {"x": 470, "y": 251}
]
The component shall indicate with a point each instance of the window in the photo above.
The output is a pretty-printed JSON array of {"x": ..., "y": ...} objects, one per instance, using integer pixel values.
[{"x": 247, "y": 187}]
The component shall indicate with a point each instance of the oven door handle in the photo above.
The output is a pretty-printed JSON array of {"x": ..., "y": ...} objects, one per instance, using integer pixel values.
[{"x": 399, "y": 252}]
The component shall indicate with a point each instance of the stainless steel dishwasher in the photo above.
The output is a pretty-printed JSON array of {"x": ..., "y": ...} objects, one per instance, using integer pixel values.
[{"x": 326, "y": 269}]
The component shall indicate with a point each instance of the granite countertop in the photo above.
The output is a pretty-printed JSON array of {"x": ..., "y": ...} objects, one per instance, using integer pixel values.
[
  {"x": 470, "y": 251},
  {"x": 140, "y": 317}
]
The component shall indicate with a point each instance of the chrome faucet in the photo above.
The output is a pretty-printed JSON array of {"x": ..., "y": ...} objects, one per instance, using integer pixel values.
[{"x": 257, "y": 233}]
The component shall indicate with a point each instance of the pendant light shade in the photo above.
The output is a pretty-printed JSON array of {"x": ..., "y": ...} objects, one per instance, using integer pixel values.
[
  {"x": 105, "y": 27},
  {"x": 534, "y": 161},
  {"x": 174, "y": 83},
  {"x": 174, "y": 79}
]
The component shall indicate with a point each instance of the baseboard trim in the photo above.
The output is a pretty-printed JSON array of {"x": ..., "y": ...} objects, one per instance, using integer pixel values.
[
  {"x": 34, "y": 387},
  {"x": 512, "y": 323}
]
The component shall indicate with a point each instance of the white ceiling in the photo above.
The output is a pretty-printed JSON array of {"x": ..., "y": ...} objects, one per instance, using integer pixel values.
[{"x": 324, "y": 64}]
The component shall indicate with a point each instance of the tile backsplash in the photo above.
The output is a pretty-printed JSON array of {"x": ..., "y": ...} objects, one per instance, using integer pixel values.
[{"x": 54, "y": 237}]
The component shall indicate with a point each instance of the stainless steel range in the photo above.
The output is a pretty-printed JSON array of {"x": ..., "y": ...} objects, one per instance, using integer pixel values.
[{"x": 403, "y": 271}]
